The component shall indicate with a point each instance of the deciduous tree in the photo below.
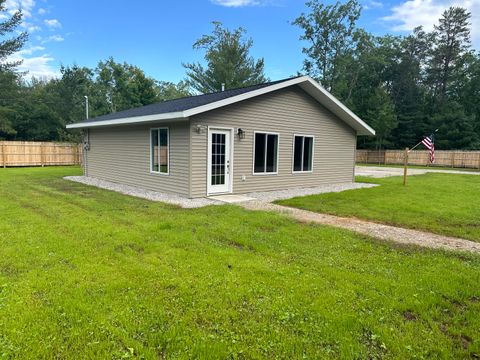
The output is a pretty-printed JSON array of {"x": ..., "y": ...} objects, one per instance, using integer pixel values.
[{"x": 329, "y": 33}]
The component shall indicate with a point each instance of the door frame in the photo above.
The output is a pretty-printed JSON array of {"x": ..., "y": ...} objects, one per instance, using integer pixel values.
[{"x": 211, "y": 129}]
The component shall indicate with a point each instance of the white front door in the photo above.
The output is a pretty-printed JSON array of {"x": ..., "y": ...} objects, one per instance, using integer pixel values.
[{"x": 219, "y": 161}]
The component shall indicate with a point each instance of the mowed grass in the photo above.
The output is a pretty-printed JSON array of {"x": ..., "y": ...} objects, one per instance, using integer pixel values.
[
  {"x": 423, "y": 167},
  {"x": 88, "y": 273},
  {"x": 447, "y": 204}
]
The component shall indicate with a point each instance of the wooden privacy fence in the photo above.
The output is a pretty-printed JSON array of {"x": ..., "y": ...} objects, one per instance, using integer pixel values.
[
  {"x": 34, "y": 153},
  {"x": 448, "y": 158}
]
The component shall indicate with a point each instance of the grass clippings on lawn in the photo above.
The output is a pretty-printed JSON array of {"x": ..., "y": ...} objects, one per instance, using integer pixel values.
[{"x": 89, "y": 273}]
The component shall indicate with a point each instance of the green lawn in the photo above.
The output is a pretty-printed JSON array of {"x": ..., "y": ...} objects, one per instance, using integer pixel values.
[
  {"x": 88, "y": 273},
  {"x": 446, "y": 204},
  {"x": 422, "y": 167}
]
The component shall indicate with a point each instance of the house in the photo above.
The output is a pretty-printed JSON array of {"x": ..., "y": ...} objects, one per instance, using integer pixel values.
[{"x": 278, "y": 135}]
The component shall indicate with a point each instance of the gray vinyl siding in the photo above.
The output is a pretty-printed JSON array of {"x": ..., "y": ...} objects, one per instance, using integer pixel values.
[
  {"x": 286, "y": 112},
  {"x": 122, "y": 154}
]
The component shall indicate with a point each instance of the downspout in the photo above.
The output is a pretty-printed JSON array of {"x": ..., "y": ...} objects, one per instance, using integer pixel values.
[
  {"x": 86, "y": 148},
  {"x": 355, "y": 155}
]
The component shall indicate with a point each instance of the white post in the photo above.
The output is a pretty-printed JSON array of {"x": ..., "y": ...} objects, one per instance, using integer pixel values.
[{"x": 86, "y": 106}]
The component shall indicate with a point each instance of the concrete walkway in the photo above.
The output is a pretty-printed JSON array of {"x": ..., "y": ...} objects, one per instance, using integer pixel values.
[
  {"x": 378, "y": 231},
  {"x": 383, "y": 172}
]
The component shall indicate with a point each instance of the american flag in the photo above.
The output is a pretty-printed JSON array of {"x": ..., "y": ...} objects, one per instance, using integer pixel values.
[{"x": 429, "y": 143}]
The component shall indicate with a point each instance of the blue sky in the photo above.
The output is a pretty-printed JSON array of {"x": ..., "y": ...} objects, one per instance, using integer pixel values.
[{"x": 157, "y": 36}]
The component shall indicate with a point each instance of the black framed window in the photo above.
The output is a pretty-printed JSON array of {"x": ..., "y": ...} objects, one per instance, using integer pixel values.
[
  {"x": 302, "y": 153},
  {"x": 266, "y": 153}
]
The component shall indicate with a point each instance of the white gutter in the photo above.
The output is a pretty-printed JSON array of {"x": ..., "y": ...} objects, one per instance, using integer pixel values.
[{"x": 128, "y": 120}]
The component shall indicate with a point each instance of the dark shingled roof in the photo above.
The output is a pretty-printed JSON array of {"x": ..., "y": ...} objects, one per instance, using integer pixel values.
[{"x": 181, "y": 104}]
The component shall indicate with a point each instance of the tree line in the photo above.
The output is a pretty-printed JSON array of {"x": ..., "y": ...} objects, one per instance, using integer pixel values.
[{"x": 403, "y": 86}]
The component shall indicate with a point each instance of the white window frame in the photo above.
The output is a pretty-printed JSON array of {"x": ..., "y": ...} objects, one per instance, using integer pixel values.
[
  {"x": 303, "y": 149},
  {"x": 253, "y": 154},
  {"x": 168, "y": 151}
]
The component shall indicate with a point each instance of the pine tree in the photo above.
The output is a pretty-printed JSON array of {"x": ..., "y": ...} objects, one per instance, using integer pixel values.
[
  {"x": 452, "y": 42},
  {"x": 227, "y": 54},
  {"x": 456, "y": 128},
  {"x": 408, "y": 89},
  {"x": 12, "y": 44},
  {"x": 9, "y": 86},
  {"x": 381, "y": 116}
]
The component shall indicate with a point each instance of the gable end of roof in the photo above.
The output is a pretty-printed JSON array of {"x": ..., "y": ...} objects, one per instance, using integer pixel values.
[{"x": 189, "y": 107}]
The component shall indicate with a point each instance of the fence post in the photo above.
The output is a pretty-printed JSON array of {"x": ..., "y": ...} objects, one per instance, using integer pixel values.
[
  {"x": 42, "y": 162},
  {"x": 405, "y": 167},
  {"x": 4, "y": 156}
]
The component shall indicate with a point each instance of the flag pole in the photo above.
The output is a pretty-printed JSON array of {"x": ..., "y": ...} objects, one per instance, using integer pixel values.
[
  {"x": 414, "y": 147},
  {"x": 405, "y": 161}
]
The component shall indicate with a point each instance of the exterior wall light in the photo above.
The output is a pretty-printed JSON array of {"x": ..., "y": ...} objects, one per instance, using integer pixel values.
[
  {"x": 241, "y": 133},
  {"x": 200, "y": 128}
]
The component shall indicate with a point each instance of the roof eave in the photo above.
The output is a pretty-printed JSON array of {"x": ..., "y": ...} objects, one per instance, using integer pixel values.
[
  {"x": 129, "y": 120},
  {"x": 306, "y": 82},
  {"x": 190, "y": 112}
]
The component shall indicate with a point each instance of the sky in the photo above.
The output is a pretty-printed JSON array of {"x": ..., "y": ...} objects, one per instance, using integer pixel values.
[{"x": 157, "y": 35}]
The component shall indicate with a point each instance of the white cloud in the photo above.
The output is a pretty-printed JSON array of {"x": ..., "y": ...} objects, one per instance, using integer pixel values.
[
  {"x": 372, "y": 4},
  {"x": 54, "y": 38},
  {"x": 36, "y": 61},
  {"x": 238, "y": 3},
  {"x": 30, "y": 50},
  {"x": 412, "y": 13},
  {"x": 38, "y": 66},
  {"x": 25, "y": 5},
  {"x": 52, "y": 23},
  {"x": 30, "y": 27}
]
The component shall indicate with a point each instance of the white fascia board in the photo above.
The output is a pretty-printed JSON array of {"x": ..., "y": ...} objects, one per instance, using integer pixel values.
[
  {"x": 129, "y": 120},
  {"x": 338, "y": 108}
]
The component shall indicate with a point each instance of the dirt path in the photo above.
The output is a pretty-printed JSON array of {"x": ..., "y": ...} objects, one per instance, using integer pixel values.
[{"x": 379, "y": 231}]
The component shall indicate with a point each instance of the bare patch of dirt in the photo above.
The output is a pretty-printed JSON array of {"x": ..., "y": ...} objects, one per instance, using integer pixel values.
[{"x": 409, "y": 316}]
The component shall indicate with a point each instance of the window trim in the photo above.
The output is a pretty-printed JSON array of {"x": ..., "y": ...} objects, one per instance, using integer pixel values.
[
  {"x": 253, "y": 154},
  {"x": 153, "y": 172},
  {"x": 303, "y": 148}
]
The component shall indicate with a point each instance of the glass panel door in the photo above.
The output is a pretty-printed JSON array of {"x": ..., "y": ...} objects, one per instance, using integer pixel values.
[{"x": 219, "y": 161}]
